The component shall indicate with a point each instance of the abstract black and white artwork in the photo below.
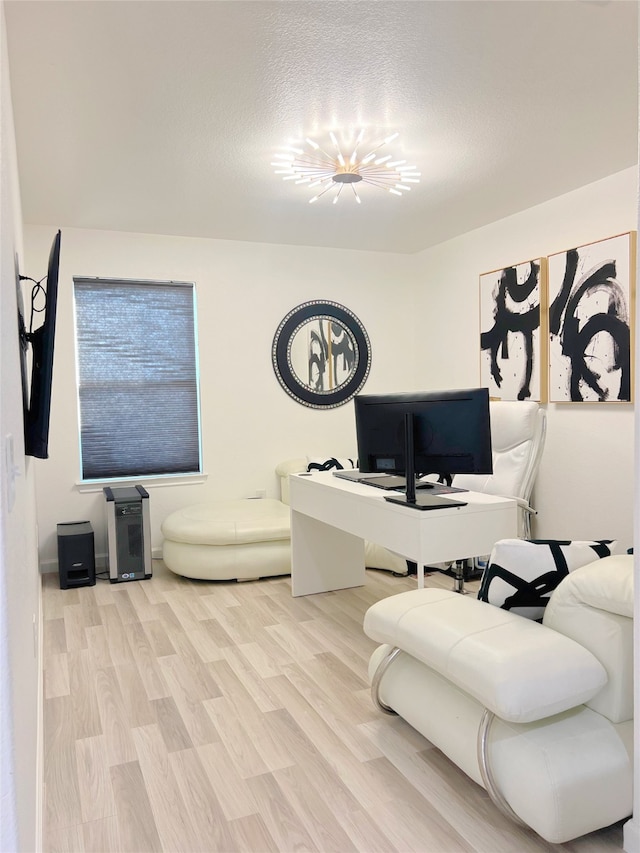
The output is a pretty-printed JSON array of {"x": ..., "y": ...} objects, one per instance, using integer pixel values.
[
  {"x": 323, "y": 354},
  {"x": 512, "y": 340},
  {"x": 591, "y": 293}
]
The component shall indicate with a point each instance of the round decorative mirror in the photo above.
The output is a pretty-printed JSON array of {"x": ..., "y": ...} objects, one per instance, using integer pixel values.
[{"x": 321, "y": 354}]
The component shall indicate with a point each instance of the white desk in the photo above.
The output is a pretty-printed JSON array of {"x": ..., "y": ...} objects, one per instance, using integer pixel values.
[{"x": 331, "y": 518}]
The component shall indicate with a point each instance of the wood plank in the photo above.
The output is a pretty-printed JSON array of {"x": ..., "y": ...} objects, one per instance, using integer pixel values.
[
  {"x": 158, "y": 638},
  {"x": 98, "y": 645},
  {"x": 54, "y": 638},
  {"x": 171, "y": 725},
  {"x": 113, "y": 717},
  {"x": 137, "y": 830},
  {"x": 119, "y": 648},
  {"x": 61, "y": 791},
  {"x": 205, "y": 813},
  {"x": 74, "y": 627},
  {"x": 94, "y": 779},
  {"x": 176, "y": 831},
  {"x": 56, "y": 675},
  {"x": 86, "y": 714}
]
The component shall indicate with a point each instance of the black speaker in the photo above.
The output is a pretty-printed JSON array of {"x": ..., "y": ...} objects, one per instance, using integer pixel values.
[{"x": 76, "y": 554}]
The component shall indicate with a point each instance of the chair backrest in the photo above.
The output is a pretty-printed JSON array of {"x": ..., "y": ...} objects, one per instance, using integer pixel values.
[{"x": 518, "y": 431}]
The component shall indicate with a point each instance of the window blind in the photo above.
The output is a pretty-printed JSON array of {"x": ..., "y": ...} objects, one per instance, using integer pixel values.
[{"x": 137, "y": 378}]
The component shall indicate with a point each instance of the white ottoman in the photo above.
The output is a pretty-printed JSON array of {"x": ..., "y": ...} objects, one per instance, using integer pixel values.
[{"x": 223, "y": 540}]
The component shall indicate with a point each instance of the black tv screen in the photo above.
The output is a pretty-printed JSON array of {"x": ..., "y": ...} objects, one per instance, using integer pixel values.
[
  {"x": 451, "y": 432},
  {"x": 37, "y": 391}
]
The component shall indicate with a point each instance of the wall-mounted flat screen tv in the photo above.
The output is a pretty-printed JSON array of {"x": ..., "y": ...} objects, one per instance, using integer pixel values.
[{"x": 37, "y": 386}]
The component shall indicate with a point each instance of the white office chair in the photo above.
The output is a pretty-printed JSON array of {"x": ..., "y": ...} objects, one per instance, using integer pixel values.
[{"x": 518, "y": 431}]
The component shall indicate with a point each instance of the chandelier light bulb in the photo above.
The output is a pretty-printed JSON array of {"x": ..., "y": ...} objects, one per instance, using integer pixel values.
[{"x": 315, "y": 167}]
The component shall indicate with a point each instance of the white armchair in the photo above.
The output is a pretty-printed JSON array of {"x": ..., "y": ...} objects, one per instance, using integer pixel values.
[{"x": 540, "y": 715}]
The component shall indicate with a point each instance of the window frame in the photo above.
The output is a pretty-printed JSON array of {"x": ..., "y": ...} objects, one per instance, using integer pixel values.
[{"x": 94, "y": 483}]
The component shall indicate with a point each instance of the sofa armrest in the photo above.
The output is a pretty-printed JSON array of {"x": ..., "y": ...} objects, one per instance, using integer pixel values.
[
  {"x": 291, "y": 466},
  {"x": 516, "y": 668},
  {"x": 283, "y": 469}
]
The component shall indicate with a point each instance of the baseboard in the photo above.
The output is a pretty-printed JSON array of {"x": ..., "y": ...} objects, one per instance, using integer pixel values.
[
  {"x": 39, "y": 793},
  {"x": 48, "y": 566},
  {"x": 631, "y": 836}
]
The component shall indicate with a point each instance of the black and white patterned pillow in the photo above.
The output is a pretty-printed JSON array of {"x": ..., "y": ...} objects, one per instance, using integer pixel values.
[
  {"x": 522, "y": 573},
  {"x": 333, "y": 463}
]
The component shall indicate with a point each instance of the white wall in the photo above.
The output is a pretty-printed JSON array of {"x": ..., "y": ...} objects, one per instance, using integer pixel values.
[
  {"x": 20, "y": 749},
  {"x": 585, "y": 486},
  {"x": 243, "y": 291}
]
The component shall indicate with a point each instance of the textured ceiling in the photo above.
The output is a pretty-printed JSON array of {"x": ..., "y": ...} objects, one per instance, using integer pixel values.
[{"x": 162, "y": 117}]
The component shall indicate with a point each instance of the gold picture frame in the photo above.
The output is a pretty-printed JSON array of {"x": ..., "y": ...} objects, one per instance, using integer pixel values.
[{"x": 591, "y": 321}]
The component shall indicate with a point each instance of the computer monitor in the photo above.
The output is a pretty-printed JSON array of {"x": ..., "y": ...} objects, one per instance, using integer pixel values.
[{"x": 434, "y": 432}]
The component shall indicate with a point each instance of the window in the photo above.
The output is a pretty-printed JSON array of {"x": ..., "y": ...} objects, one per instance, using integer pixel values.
[{"x": 137, "y": 378}]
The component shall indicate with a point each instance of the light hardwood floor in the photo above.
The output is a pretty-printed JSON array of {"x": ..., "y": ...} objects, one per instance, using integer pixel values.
[{"x": 219, "y": 716}]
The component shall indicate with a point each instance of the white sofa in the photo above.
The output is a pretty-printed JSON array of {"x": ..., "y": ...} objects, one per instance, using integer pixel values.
[
  {"x": 541, "y": 715},
  {"x": 228, "y": 540},
  {"x": 244, "y": 539}
]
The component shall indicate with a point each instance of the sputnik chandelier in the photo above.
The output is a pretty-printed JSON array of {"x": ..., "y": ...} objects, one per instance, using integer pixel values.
[{"x": 344, "y": 166}]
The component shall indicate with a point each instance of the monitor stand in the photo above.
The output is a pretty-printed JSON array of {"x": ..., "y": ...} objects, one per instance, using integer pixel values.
[
  {"x": 410, "y": 498},
  {"x": 424, "y": 502}
]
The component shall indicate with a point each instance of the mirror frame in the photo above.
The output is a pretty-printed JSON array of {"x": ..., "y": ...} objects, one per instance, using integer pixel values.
[{"x": 281, "y": 353}]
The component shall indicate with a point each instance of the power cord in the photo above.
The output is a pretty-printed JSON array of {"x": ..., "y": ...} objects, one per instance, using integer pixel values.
[{"x": 35, "y": 290}]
